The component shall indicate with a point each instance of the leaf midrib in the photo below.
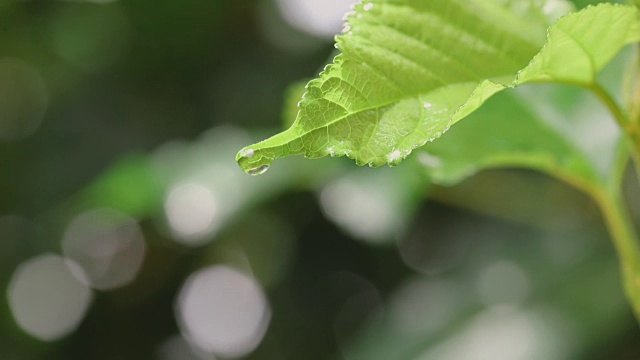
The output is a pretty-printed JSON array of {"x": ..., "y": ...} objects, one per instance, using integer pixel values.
[{"x": 403, "y": 94}]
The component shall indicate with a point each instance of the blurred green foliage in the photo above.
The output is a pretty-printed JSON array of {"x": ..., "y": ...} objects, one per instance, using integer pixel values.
[{"x": 143, "y": 98}]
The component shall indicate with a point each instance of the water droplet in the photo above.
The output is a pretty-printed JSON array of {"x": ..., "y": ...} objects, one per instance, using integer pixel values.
[
  {"x": 427, "y": 105},
  {"x": 368, "y": 6},
  {"x": 394, "y": 157},
  {"x": 258, "y": 170},
  {"x": 247, "y": 153},
  {"x": 331, "y": 151},
  {"x": 348, "y": 15}
]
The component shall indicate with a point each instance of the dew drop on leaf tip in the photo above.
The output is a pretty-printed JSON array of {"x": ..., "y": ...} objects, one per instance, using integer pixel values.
[{"x": 258, "y": 170}]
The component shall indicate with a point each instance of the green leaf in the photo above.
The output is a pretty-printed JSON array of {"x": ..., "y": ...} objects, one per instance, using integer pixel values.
[
  {"x": 290, "y": 109},
  {"x": 410, "y": 69},
  {"x": 559, "y": 130},
  {"x": 511, "y": 131},
  {"x": 581, "y": 44}
]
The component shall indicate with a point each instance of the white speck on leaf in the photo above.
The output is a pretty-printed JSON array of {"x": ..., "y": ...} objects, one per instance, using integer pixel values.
[
  {"x": 247, "y": 153},
  {"x": 394, "y": 156}
]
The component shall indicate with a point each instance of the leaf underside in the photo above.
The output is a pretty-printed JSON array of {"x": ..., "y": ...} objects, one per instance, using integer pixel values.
[
  {"x": 530, "y": 142},
  {"x": 409, "y": 69}
]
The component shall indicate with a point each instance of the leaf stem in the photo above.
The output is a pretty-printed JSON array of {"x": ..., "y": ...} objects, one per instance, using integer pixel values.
[
  {"x": 621, "y": 117},
  {"x": 626, "y": 243},
  {"x": 630, "y": 127},
  {"x": 619, "y": 223}
]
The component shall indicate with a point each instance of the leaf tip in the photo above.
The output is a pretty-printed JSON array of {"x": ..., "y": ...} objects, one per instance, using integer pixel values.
[{"x": 251, "y": 162}]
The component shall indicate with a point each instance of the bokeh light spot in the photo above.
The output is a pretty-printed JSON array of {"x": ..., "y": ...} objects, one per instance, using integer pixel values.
[
  {"x": 503, "y": 282},
  {"x": 500, "y": 333},
  {"x": 362, "y": 211},
  {"x": 46, "y": 299},
  {"x": 191, "y": 210},
  {"x": 23, "y": 99},
  {"x": 321, "y": 18},
  {"x": 177, "y": 348},
  {"x": 108, "y": 245},
  {"x": 223, "y": 311},
  {"x": 422, "y": 308}
]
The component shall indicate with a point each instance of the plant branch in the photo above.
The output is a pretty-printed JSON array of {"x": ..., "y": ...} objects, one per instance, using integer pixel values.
[
  {"x": 625, "y": 241},
  {"x": 621, "y": 117},
  {"x": 629, "y": 126},
  {"x": 617, "y": 219}
]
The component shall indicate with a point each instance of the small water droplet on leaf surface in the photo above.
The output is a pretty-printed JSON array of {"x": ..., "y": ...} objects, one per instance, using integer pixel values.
[
  {"x": 247, "y": 153},
  {"x": 395, "y": 157},
  {"x": 258, "y": 170},
  {"x": 332, "y": 151}
]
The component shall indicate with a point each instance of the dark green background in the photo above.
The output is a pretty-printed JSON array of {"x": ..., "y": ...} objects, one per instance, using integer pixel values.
[{"x": 175, "y": 69}]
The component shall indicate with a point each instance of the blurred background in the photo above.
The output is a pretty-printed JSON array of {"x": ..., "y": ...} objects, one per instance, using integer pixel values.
[{"x": 127, "y": 231}]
